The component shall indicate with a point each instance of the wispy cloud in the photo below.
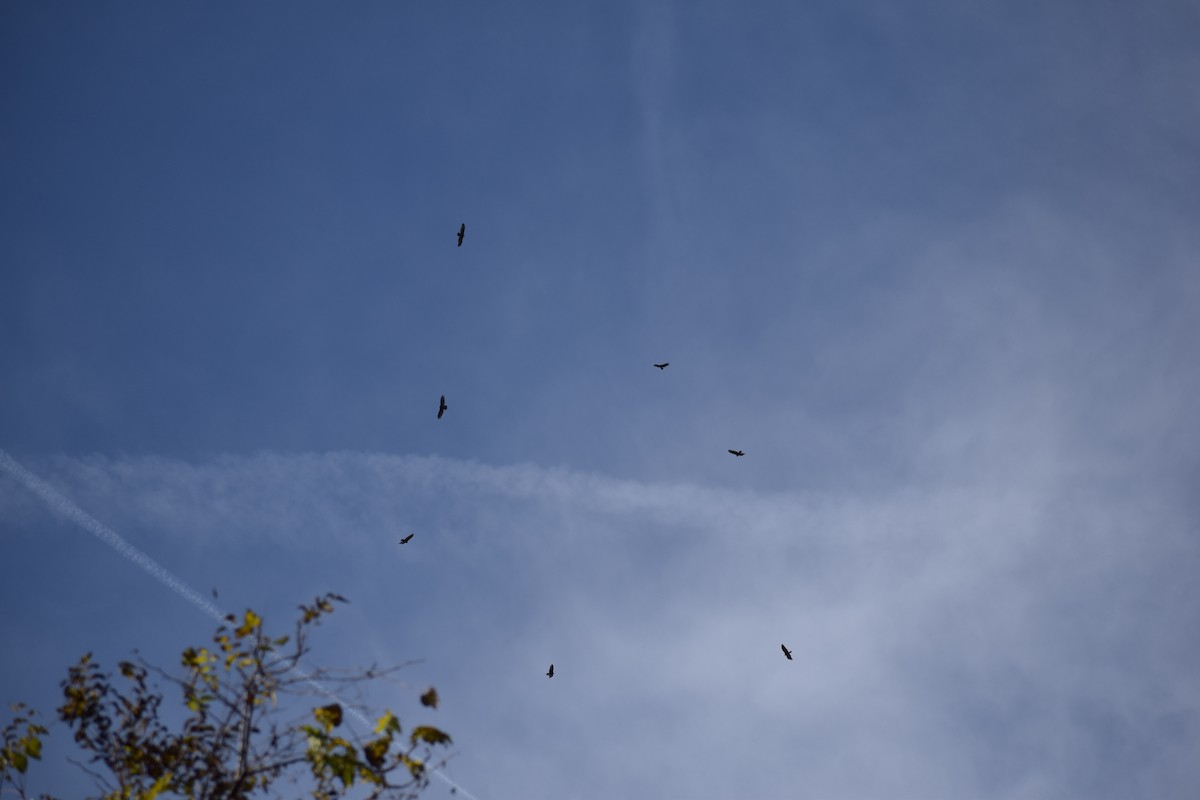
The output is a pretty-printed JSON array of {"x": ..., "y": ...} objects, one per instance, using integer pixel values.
[
  {"x": 940, "y": 632},
  {"x": 71, "y": 511}
]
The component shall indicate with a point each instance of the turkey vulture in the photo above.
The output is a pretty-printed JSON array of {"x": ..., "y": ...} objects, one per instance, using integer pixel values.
[
  {"x": 406, "y": 538},
  {"x": 786, "y": 652},
  {"x": 442, "y": 407},
  {"x": 462, "y": 231},
  {"x": 550, "y": 672},
  {"x": 663, "y": 365},
  {"x": 738, "y": 453}
]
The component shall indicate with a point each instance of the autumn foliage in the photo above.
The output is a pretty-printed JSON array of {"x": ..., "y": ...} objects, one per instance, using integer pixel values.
[{"x": 236, "y": 739}]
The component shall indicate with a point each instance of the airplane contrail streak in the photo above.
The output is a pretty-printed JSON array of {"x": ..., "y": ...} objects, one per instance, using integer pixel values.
[
  {"x": 51, "y": 497},
  {"x": 107, "y": 535}
]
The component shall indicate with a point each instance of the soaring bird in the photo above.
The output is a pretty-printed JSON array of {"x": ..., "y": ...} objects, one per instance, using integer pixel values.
[
  {"x": 786, "y": 652},
  {"x": 738, "y": 453},
  {"x": 462, "y": 231},
  {"x": 550, "y": 672},
  {"x": 406, "y": 538},
  {"x": 442, "y": 407},
  {"x": 663, "y": 365}
]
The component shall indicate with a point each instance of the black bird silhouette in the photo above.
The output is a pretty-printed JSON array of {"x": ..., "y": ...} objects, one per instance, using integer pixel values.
[
  {"x": 738, "y": 453},
  {"x": 663, "y": 365},
  {"x": 550, "y": 673},
  {"x": 442, "y": 407},
  {"x": 406, "y": 538},
  {"x": 786, "y": 652},
  {"x": 462, "y": 231}
]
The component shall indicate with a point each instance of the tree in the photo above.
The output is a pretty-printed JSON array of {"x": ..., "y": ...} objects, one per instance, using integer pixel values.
[{"x": 236, "y": 740}]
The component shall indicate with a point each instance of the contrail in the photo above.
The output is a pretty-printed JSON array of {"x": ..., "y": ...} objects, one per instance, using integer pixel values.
[
  {"x": 64, "y": 506},
  {"x": 107, "y": 535}
]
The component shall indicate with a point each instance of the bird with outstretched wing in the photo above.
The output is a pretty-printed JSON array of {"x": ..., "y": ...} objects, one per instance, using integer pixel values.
[
  {"x": 786, "y": 652},
  {"x": 550, "y": 672},
  {"x": 663, "y": 365},
  {"x": 406, "y": 539},
  {"x": 462, "y": 231},
  {"x": 442, "y": 406},
  {"x": 738, "y": 453}
]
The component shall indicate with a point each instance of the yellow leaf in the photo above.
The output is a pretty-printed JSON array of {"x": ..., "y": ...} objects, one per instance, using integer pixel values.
[
  {"x": 250, "y": 625},
  {"x": 376, "y": 751},
  {"x": 415, "y": 767},
  {"x": 387, "y": 721},
  {"x": 329, "y": 716},
  {"x": 425, "y": 733},
  {"x": 157, "y": 788}
]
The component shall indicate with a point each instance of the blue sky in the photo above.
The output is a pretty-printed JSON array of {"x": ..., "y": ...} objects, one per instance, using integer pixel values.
[{"x": 934, "y": 268}]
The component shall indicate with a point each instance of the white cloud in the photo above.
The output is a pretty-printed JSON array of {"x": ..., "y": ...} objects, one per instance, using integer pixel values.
[{"x": 1004, "y": 636}]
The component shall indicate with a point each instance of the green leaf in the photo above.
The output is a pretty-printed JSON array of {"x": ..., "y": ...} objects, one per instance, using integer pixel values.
[
  {"x": 345, "y": 768},
  {"x": 33, "y": 747}
]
